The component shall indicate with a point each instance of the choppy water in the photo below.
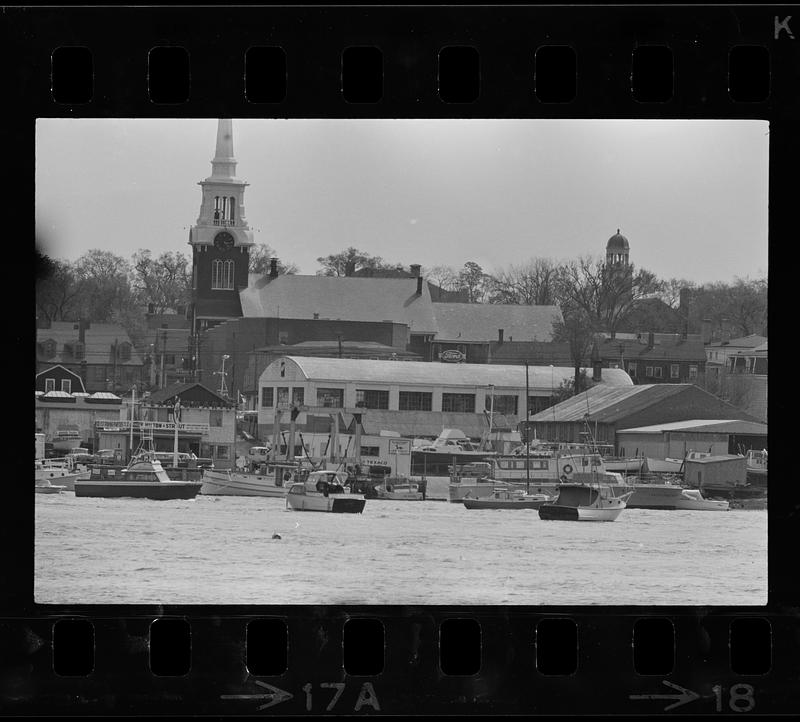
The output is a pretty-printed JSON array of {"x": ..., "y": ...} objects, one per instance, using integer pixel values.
[{"x": 219, "y": 550}]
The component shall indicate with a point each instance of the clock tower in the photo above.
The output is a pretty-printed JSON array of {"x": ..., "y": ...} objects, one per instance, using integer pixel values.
[{"x": 220, "y": 239}]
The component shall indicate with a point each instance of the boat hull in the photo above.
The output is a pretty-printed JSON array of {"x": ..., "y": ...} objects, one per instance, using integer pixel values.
[
  {"x": 573, "y": 513},
  {"x": 666, "y": 497},
  {"x": 220, "y": 483},
  {"x": 485, "y": 488},
  {"x": 158, "y": 490},
  {"x": 50, "y": 489},
  {"x": 62, "y": 477},
  {"x": 503, "y": 503},
  {"x": 337, "y": 504}
]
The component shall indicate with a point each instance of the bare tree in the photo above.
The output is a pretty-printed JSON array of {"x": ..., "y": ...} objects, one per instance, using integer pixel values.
[
  {"x": 473, "y": 281},
  {"x": 532, "y": 283},
  {"x": 604, "y": 293},
  {"x": 58, "y": 291},
  {"x": 105, "y": 281},
  {"x": 164, "y": 282},
  {"x": 262, "y": 254},
  {"x": 444, "y": 277},
  {"x": 347, "y": 262}
]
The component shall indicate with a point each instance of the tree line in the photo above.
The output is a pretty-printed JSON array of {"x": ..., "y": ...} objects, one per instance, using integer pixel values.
[{"x": 593, "y": 296}]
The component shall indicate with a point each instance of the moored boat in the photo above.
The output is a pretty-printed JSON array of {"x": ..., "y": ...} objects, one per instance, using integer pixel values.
[
  {"x": 505, "y": 498},
  {"x": 67, "y": 436},
  {"x": 398, "y": 489},
  {"x": 584, "y": 502},
  {"x": 45, "y": 487},
  {"x": 324, "y": 491},
  {"x": 50, "y": 470},
  {"x": 143, "y": 478},
  {"x": 274, "y": 481},
  {"x": 671, "y": 496}
]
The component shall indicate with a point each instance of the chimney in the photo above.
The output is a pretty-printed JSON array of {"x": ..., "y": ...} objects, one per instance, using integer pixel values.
[
  {"x": 706, "y": 330},
  {"x": 651, "y": 340},
  {"x": 419, "y": 285},
  {"x": 151, "y": 309},
  {"x": 82, "y": 326},
  {"x": 415, "y": 269},
  {"x": 597, "y": 363},
  {"x": 273, "y": 268},
  {"x": 499, "y": 335}
]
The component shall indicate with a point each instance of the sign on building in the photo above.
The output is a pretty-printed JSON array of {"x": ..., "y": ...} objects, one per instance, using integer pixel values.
[
  {"x": 399, "y": 446},
  {"x": 452, "y": 355}
]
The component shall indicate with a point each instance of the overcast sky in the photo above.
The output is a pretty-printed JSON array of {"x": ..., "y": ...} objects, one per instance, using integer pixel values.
[{"x": 690, "y": 196}]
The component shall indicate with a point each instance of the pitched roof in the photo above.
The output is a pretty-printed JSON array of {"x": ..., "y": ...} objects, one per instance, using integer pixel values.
[
  {"x": 608, "y": 404},
  {"x": 480, "y": 322},
  {"x": 177, "y": 389},
  {"x": 750, "y": 341},
  {"x": 423, "y": 373},
  {"x": 667, "y": 347},
  {"x": 705, "y": 426},
  {"x": 346, "y": 298},
  {"x": 332, "y": 346}
]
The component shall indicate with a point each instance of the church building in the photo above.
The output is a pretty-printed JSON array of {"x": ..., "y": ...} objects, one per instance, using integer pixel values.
[{"x": 220, "y": 240}]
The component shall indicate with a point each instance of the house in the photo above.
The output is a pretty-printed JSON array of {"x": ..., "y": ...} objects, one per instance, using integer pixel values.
[
  {"x": 206, "y": 424},
  {"x": 652, "y": 358},
  {"x": 718, "y": 353},
  {"x": 59, "y": 378},
  {"x": 739, "y": 373},
  {"x": 59, "y": 409},
  {"x": 603, "y": 410},
  {"x": 102, "y": 354}
]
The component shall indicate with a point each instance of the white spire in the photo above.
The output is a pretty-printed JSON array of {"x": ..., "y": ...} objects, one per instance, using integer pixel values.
[{"x": 224, "y": 164}]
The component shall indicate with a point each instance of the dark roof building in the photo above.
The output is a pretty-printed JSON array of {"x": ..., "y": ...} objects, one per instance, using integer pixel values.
[{"x": 604, "y": 409}]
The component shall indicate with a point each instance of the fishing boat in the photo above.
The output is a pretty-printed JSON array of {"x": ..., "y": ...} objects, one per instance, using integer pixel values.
[
  {"x": 55, "y": 470},
  {"x": 398, "y": 489},
  {"x": 143, "y": 478},
  {"x": 757, "y": 467},
  {"x": 273, "y": 480},
  {"x": 578, "y": 501},
  {"x": 671, "y": 495},
  {"x": 324, "y": 490},
  {"x": 505, "y": 498}
]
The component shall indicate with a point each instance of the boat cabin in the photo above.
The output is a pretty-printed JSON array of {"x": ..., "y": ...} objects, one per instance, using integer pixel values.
[{"x": 321, "y": 482}]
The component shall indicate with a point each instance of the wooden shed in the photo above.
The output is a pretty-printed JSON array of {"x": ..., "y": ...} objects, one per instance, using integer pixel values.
[{"x": 725, "y": 470}]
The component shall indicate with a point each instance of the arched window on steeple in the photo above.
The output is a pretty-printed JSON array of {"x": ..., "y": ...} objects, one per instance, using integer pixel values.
[{"x": 222, "y": 275}]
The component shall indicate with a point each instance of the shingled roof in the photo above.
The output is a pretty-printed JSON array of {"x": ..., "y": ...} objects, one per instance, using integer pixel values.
[{"x": 480, "y": 322}]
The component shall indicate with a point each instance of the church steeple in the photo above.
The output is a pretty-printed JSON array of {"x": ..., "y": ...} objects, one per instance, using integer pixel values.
[
  {"x": 220, "y": 239},
  {"x": 224, "y": 164}
]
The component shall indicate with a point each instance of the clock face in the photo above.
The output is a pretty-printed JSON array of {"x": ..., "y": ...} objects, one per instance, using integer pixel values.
[{"x": 223, "y": 240}]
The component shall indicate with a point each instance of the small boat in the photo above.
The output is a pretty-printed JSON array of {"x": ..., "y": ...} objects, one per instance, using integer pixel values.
[
  {"x": 324, "y": 491},
  {"x": 273, "y": 481},
  {"x": 45, "y": 487},
  {"x": 668, "y": 495},
  {"x": 505, "y": 498},
  {"x": 143, "y": 478},
  {"x": 50, "y": 470},
  {"x": 398, "y": 489},
  {"x": 584, "y": 502}
]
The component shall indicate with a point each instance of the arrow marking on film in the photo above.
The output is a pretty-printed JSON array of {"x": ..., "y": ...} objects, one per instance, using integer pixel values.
[
  {"x": 275, "y": 695},
  {"x": 685, "y": 696}
]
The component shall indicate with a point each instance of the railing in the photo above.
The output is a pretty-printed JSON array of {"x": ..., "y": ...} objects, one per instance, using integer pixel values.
[
  {"x": 151, "y": 426},
  {"x": 224, "y": 222}
]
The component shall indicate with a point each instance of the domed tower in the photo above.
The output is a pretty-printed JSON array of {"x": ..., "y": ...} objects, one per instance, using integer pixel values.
[{"x": 617, "y": 250}]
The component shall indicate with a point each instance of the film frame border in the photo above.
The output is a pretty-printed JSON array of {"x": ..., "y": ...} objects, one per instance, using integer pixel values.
[{"x": 507, "y": 683}]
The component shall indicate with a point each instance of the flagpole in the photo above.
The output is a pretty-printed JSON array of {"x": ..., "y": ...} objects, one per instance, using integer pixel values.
[{"x": 527, "y": 432}]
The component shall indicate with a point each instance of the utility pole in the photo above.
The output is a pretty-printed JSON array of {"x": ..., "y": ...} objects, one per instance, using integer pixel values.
[{"x": 163, "y": 351}]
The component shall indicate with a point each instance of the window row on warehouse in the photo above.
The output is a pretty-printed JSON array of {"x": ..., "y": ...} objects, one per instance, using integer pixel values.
[{"x": 283, "y": 397}]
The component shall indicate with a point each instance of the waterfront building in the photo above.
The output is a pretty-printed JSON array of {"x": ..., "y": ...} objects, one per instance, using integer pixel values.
[
  {"x": 674, "y": 439},
  {"x": 603, "y": 409},
  {"x": 412, "y": 398}
]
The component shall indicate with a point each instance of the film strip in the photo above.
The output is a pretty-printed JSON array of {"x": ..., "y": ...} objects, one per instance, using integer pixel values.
[{"x": 628, "y": 62}]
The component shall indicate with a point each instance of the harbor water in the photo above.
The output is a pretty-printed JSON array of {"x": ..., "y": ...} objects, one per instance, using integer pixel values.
[{"x": 221, "y": 550}]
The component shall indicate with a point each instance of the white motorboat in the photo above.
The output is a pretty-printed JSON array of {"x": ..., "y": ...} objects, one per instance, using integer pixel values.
[
  {"x": 324, "y": 491},
  {"x": 667, "y": 495},
  {"x": 584, "y": 502},
  {"x": 67, "y": 436},
  {"x": 45, "y": 487}
]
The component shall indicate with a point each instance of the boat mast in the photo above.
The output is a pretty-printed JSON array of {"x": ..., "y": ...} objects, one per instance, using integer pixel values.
[{"x": 527, "y": 432}]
